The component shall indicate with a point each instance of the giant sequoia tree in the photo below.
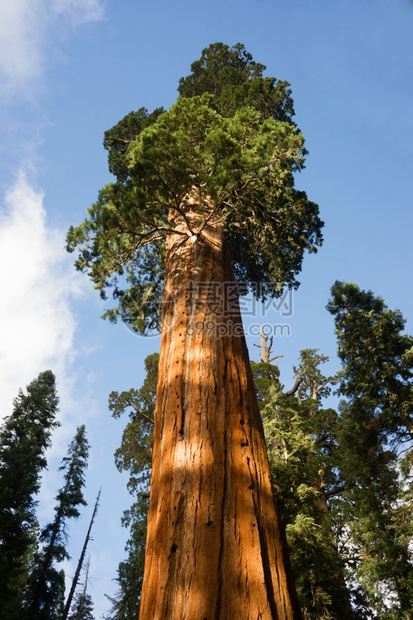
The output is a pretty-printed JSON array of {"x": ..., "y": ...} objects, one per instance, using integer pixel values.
[{"x": 205, "y": 196}]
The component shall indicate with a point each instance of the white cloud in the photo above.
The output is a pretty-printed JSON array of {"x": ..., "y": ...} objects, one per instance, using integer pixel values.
[
  {"x": 37, "y": 325},
  {"x": 26, "y": 28},
  {"x": 21, "y": 33}
]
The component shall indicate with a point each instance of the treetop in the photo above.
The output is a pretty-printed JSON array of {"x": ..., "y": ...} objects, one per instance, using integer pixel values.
[{"x": 235, "y": 80}]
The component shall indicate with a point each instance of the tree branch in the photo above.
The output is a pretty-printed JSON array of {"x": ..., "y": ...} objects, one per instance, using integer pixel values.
[
  {"x": 139, "y": 412},
  {"x": 333, "y": 492},
  {"x": 298, "y": 381}
]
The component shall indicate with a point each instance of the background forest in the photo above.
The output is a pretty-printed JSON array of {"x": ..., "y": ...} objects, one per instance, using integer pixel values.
[{"x": 69, "y": 73}]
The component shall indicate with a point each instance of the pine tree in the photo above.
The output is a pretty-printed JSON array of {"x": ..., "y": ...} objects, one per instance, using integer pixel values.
[
  {"x": 209, "y": 198},
  {"x": 47, "y": 581},
  {"x": 24, "y": 438},
  {"x": 375, "y": 435}
]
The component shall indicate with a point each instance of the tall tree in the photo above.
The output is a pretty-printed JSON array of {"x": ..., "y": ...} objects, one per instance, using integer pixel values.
[
  {"x": 206, "y": 180},
  {"x": 47, "y": 581},
  {"x": 376, "y": 432},
  {"x": 24, "y": 438}
]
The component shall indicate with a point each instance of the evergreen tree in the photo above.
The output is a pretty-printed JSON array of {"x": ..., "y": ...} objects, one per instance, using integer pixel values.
[
  {"x": 207, "y": 179},
  {"x": 47, "y": 581},
  {"x": 135, "y": 452},
  {"x": 24, "y": 438},
  {"x": 125, "y": 603},
  {"x": 135, "y": 455},
  {"x": 82, "y": 608},
  {"x": 375, "y": 435},
  {"x": 302, "y": 446}
]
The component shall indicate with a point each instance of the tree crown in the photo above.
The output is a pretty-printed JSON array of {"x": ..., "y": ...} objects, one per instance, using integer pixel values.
[{"x": 204, "y": 158}]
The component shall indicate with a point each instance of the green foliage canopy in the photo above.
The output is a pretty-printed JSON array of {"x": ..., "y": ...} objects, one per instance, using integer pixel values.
[{"x": 236, "y": 161}]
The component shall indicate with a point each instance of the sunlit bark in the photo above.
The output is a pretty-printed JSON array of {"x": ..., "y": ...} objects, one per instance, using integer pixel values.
[{"x": 215, "y": 547}]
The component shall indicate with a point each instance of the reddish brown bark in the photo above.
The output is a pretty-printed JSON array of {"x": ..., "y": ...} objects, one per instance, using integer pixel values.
[{"x": 215, "y": 547}]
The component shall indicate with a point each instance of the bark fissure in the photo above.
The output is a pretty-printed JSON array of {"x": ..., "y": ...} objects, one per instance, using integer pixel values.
[
  {"x": 264, "y": 554},
  {"x": 219, "y": 601}
]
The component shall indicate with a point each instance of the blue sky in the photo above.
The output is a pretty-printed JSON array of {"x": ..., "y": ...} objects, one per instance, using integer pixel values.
[{"x": 69, "y": 70}]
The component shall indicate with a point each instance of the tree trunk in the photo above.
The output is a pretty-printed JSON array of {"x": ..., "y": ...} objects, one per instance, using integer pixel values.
[
  {"x": 215, "y": 547},
  {"x": 81, "y": 560}
]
